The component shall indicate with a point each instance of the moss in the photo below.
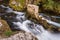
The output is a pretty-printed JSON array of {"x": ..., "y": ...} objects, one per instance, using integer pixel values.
[
  {"x": 4, "y": 29},
  {"x": 17, "y": 5},
  {"x": 51, "y": 6}
]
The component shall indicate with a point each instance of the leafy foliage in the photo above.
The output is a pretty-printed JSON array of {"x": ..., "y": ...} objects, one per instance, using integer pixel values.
[{"x": 52, "y": 5}]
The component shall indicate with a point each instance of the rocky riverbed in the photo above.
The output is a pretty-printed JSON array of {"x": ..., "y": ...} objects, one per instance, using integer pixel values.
[{"x": 29, "y": 24}]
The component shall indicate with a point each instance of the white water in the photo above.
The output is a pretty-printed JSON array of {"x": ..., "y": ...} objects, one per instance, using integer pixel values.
[
  {"x": 36, "y": 29},
  {"x": 51, "y": 22},
  {"x": 56, "y": 16},
  {"x": 33, "y": 28}
]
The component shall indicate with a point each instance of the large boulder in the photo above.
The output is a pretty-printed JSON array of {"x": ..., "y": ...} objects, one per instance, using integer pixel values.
[
  {"x": 32, "y": 10},
  {"x": 32, "y": 13},
  {"x": 4, "y": 28}
]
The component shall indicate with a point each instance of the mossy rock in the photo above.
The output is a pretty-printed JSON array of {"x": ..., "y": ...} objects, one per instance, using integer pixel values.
[
  {"x": 18, "y": 5},
  {"x": 5, "y": 29}
]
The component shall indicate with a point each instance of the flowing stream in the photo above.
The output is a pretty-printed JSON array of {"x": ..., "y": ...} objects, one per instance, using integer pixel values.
[{"x": 35, "y": 29}]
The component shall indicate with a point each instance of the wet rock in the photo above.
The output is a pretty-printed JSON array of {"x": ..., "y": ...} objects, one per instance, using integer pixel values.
[
  {"x": 10, "y": 18},
  {"x": 55, "y": 19},
  {"x": 5, "y": 10},
  {"x": 2, "y": 10}
]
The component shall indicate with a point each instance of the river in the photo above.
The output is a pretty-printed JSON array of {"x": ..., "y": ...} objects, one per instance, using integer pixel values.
[{"x": 35, "y": 29}]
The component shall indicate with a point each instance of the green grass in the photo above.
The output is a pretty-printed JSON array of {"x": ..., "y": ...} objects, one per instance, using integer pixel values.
[{"x": 8, "y": 33}]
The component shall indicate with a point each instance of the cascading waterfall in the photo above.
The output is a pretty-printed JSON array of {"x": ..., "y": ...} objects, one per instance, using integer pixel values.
[{"x": 35, "y": 29}]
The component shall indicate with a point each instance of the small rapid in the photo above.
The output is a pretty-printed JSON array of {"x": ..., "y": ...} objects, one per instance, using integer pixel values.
[
  {"x": 48, "y": 19},
  {"x": 36, "y": 29}
]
